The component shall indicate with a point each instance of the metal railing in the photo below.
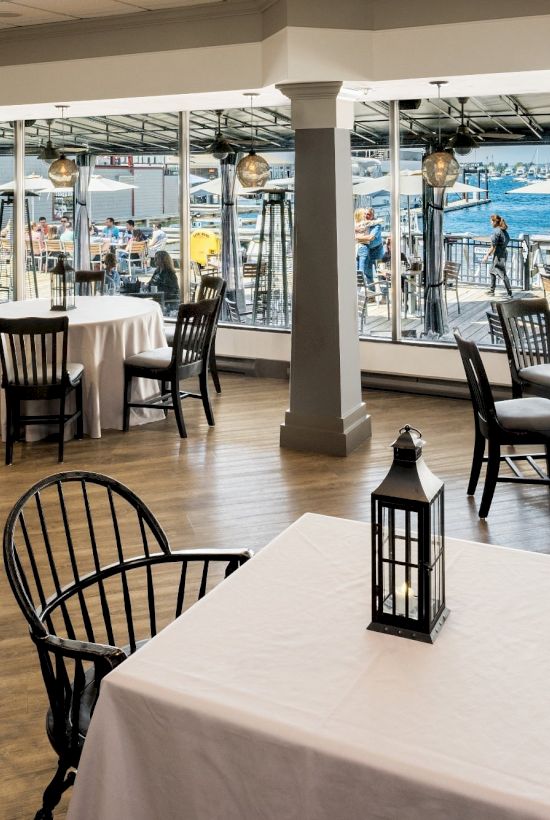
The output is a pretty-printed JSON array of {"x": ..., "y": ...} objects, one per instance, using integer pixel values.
[{"x": 469, "y": 252}]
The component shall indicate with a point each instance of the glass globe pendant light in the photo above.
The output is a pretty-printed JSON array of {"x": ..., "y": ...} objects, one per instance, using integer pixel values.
[
  {"x": 253, "y": 170},
  {"x": 63, "y": 172},
  {"x": 440, "y": 168},
  {"x": 220, "y": 148}
]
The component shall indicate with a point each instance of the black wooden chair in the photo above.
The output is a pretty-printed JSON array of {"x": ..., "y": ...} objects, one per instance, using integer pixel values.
[
  {"x": 89, "y": 282},
  {"x": 87, "y": 563},
  {"x": 33, "y": 353},
  {"x": 526, "y": 330},
  {"x": 188, "y": 357},
  {"x": 502, "y": 423},
  {"x": 210, "y": 287}
]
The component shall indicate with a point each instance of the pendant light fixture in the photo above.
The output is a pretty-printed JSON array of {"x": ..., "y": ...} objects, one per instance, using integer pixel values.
[
  {"x": 463, "y": 141},
  {"x": 220, "y": 148},
  {"x": 253, "y": 170},
  {"x": 48, "y": 152},
  {"x": 440, "y": 168},
  {"x": 63, "y": 172}
]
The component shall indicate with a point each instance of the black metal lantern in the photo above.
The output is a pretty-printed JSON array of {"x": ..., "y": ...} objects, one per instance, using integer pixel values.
[
  {"x": 408, "y": 546},
  {"x": 62, "y": 285}
]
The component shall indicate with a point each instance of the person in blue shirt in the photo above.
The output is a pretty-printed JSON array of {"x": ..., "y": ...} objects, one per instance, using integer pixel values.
[{"x": 110, "y": 231}]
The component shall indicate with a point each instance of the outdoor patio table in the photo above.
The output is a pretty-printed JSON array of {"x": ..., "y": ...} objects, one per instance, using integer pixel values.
[
  {"x": 270, "y": 699},
  {"x": 103, "y": 331}
]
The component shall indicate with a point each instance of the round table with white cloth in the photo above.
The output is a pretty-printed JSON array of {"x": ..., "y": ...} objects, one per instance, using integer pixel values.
[{"x": 103, "y": 332}]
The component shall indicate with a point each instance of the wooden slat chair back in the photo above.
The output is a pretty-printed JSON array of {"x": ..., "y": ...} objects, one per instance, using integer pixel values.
[
  {"x": 137, "y": 255},
  {"x": 33, "y": 356},
  {"x": 96, "y": 251},
  {"x": 89, "y": 282},
  {"x": 68, "y": 247},
  {"x": 451, "y": 273},
  {"x": 193, "y": 335},
  {"x": 480, "y": 389},
  {"x": 495, "y": 328},
  {"x": 526, "y": 329},
  {"x": 93, "y": 573}
]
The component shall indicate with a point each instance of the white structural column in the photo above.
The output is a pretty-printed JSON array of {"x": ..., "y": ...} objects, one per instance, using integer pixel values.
[
  {"x": 18, "y": 230},
  {"x": 184, "y": 203},
  {"x": 326, "y": 414}
]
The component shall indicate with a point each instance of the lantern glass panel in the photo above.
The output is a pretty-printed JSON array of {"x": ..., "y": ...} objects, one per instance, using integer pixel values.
[
  {"x": 437, "y": 592},
  {"x": 399, "y": 533}
]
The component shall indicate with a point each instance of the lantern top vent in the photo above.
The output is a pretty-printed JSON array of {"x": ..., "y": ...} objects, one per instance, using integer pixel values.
[{"x": 408, "y": 445}]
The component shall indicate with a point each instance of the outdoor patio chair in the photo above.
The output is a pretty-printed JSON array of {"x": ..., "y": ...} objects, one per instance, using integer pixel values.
[
  {"x": 451, "y": 272},
  {"x": 495, "y": 328},
  {"x": 88, "y": 564},
  {"x": 210, "y": 287},
  {"x": 502, "y": 423},
  {"x": 526, "y": 329},
  {"x": 169, "y": 365},
  {"x": 89, "y": 282},
  {"x": 33, "y": 354},
  {"x": 53, "y": 249},
  {"x": 96, "y": 252}
]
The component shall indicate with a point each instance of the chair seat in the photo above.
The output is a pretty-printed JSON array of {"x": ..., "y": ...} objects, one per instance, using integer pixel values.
[
  {"x": 537, "y": 374},
  {"x": 158, "y": 358},
  {"x": 74, "y": 371},
  {"x": 525, "y": 415}
]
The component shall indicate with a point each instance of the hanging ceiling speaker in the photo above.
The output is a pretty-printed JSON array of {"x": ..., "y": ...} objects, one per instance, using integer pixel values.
[
  {"x": 48, "y": 152},
  {"x": 220, "y": 147},
  {"x": 463, "y": 141}
]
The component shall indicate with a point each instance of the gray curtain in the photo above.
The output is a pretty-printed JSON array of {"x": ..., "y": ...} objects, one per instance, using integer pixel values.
[
  {"x": 86, "y": 164},
  {"x": 435, "y": 312},
  {"x": 231, "y": 248}
]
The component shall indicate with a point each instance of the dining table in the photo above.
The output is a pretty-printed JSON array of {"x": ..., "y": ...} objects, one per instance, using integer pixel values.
[
  {"x": 270, "y": 700},
  {"x": 103, "y": 332}
]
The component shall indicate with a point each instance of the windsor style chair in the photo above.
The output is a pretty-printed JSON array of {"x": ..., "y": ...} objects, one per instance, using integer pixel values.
[{"x": 93, "y": 573}]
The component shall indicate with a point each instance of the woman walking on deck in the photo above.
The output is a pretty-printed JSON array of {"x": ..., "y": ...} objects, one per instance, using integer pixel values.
[{"x": 498, "y": 250}]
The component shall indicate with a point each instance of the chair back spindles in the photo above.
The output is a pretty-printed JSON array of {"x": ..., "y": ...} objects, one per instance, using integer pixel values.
[
  {"x": 33, "y": 352},
  {"x": 193, "y": 334},
  {"x": 526, "y": 329},
  {"x": 478, "y": 382}
]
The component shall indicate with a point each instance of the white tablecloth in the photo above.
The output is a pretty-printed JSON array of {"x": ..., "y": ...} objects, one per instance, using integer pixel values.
[
  {"x": 269, "y": 700},
  {"x": 103, "y": 331}
]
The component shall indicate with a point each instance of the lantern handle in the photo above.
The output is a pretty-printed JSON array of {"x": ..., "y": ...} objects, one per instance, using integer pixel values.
[{"x": 407, "y": 428}]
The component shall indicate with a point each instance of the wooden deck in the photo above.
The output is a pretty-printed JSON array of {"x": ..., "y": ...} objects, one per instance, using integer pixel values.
[{"x": 471, "y": 321}]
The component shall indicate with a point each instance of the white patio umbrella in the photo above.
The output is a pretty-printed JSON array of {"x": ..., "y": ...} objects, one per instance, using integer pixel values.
[
  {"x": 34, "y": 182},
  {"x": 537, "y": 188},
  {"x": 98, "y": 185}
]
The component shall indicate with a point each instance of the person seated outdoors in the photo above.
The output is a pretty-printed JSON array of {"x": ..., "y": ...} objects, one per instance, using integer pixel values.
[
  {"x": 63, "y": 223},
  {"x": 370, "y": 248},
  {"x": 53, "y": 232},
  {"x": 43, "y": 229},
  {"x": 68, "y": 234},
  {"x": 112, "y": 276},
  {"x": 110, "y": 231},
  {"x": 157, "y": 241},
  {"x": 129, "y": 229},
  {"x": 164, "y": 278},
  {"x": 136, "y": 236}
]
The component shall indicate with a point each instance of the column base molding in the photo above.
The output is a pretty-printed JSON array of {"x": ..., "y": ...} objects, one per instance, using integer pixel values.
[{"x": 328, "y": 435}]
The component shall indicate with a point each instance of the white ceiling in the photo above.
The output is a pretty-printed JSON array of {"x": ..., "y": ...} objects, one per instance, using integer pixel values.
[{"x": 36, "y": 12}]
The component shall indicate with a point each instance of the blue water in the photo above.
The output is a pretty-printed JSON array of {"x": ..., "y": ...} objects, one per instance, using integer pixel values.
[{"x": 524, "y": 213}]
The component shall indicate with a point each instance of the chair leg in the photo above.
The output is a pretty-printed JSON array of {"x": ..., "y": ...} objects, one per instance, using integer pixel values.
[
  {"x": 457, "y": 299},
  {"x": 203, "y": 383},
  {"x": 547, "y": 451},
  {"x": 491, "y": 476},
  {"x": 164, "y": 388},
  {"x": 176, "y": 401},
  {"x": 79, "y": 407},
  {"x": 477, "y": 461},
  {"x": 9, "y": 431},
  {"x": 127, "y": 396},
  {"x": 54, "y": 790},
  {"x": 61, "y": 443},
  {"x": 214, "y": 366}
]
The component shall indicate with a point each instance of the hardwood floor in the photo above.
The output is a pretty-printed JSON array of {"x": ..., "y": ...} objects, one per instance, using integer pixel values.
[{"x": 233, "y": 486}]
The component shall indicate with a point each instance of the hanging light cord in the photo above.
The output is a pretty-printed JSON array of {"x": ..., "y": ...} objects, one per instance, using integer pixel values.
[{"x": 251, "y": 123}]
